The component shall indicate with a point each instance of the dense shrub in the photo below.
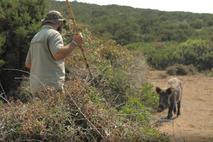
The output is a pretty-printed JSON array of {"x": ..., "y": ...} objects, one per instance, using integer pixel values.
[
  {"x": 198, "y": 53},
  {"x": 209, "y": 73},
  {"x": 158, "y": 55},
  {"x": 144, "y": 25},
  {"x": 19, "y": 21},
  {"x": 116, "y": 69},
  {"x": 179, "y": 69},
  {"x": 111, "y": 106},
  {"x": 140, "y": 104},
  {"x": 149, "y": 96},
  {"x": 74, "y": 115}
]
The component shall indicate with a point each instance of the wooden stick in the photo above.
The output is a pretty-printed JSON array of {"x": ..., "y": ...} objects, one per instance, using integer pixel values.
[{"x": 74, "y": 28}]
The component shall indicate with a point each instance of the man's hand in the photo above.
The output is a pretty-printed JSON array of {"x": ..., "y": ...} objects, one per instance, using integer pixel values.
[
  {"x": 28, "y": 66},
  {"x": 78, "y": 39}
]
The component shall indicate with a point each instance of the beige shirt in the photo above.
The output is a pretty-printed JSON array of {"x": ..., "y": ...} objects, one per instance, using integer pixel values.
[{"x": 45, "y": 71}]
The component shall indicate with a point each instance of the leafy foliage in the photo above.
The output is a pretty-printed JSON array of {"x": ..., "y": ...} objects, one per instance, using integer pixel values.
[
  {"x": 209, "y": 73},
  {"x": 117, "y": 103},
  {"x": 198, "y": 53},
  {"x": 179, "y": 69},
  {"x": 150, "y": 28},
  {"x": 53, "y": 116},
  {"x": 19, "y": 20},
  {"x": 107, "y": 107},
  {"x": 128, "y": 25}
]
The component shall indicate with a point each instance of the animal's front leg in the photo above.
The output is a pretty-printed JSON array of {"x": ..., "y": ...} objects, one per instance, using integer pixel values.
[
  {"x": 178, "y": 111},
  {"x": 171, "y": 107},
  {"x": 174, "y": 109}
]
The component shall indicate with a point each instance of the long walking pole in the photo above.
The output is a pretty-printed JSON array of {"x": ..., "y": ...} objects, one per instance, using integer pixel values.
[{"x": 74, "y": 28}]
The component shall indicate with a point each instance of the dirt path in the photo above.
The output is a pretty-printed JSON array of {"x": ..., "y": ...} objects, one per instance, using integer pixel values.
[{"x": 196, "y": 121}]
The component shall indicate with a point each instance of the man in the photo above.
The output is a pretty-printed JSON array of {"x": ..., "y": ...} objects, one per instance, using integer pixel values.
[{"x": 47, "y": 52}]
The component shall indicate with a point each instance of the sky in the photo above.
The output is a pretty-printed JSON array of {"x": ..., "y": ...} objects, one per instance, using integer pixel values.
[{"x": 196, "y": 6}]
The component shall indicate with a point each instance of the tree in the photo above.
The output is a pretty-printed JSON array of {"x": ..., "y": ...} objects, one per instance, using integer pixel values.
[{"x": 19, "y": 20}]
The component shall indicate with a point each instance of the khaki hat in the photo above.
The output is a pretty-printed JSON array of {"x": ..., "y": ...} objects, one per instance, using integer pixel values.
[{"x": 52, "y": 17}]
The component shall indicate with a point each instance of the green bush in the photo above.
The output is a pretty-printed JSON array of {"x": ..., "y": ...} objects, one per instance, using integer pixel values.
[
  {"x": 141, "y": 103},
  {"x": 135, "y": 110},
  {"x": 179, "y": 69},
  {"x": 209, "y": 73},
  {"x": 139, "y": 107},
  {"x": 158, "y": 55},
  {"x": 149, "y": 96},
  {"x": 19, "y": 21},
  {"x": 198, "y": 53}
]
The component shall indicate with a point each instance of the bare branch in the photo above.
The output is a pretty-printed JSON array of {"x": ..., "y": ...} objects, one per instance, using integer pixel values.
[{"x": 79, "y": 109}]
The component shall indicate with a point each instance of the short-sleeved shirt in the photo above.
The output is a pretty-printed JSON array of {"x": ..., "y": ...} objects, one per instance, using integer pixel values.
[{"x": 45, "y": 70}]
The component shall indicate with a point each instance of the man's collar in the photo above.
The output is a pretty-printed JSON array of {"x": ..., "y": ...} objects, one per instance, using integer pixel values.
[{"x": 47, "y": 27}]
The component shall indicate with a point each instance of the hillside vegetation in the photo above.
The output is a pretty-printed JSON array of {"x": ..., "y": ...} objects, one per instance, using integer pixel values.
[
  {"x": 114, "y": 105},
  {"x": 117, "y": 103},
  {"x": 19, "y": 21},
  {"x": 127, "y": 25},
  {"x": 107, "y": 107},
  {"x": 165, "y": 38},
  {"x": 197, "y": 53}
]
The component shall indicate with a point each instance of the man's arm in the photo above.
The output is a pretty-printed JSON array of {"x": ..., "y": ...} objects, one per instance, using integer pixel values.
[{"x": 66, "y": 50}]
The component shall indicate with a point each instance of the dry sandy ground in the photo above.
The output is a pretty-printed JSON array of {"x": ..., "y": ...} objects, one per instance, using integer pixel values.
[{"x": 195, "y": 123}]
